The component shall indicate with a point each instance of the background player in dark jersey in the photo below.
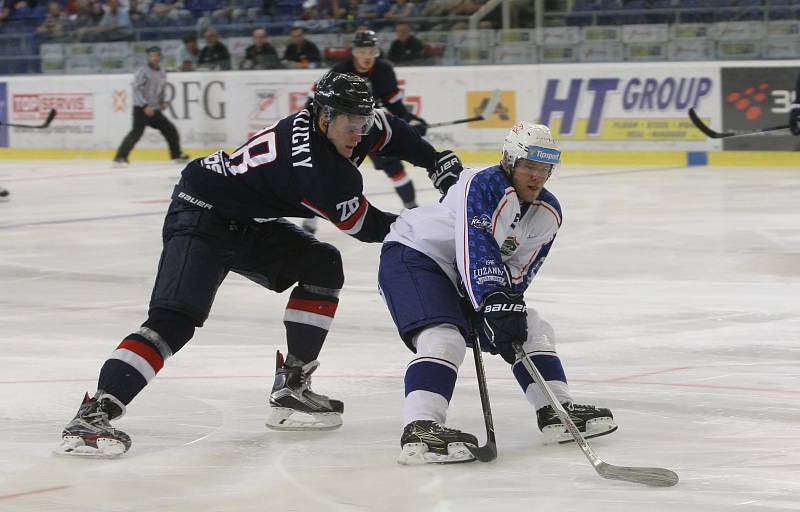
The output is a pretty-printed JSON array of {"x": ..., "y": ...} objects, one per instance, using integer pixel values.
[
  {"x": 227, "y": 215},
  {"x": 381, "y": 76}
]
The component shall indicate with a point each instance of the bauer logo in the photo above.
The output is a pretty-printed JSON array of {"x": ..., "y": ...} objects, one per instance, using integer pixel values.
[
  {"x": 70, "y": 106},
  {"x": 546, "y": 155}
]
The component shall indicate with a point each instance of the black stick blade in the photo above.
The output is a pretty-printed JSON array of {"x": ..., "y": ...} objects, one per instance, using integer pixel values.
[
  {"x": 50, "y": 117},
  {"x": 485, "y": 453},
  {"x": 700, "y": 125}
]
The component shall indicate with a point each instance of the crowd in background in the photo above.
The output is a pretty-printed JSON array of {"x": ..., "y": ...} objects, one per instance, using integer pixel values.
[{"x": 116, "y": 20}]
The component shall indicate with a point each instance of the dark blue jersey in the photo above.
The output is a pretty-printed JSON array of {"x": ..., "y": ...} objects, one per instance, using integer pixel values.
[
  {"x": 291, "y": 169},
  {"x": 383, "y": 81}
]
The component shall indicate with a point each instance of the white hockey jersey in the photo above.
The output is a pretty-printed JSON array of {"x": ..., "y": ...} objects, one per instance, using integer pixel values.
[{"x": 480, "y": 234}]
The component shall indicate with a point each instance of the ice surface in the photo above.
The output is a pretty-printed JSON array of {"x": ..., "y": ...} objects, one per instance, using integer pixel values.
[{"x": 675, "y": 294}]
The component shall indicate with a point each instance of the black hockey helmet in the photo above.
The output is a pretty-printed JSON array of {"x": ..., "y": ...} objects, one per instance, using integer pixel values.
[
  {"x": 365, "y": 39},
  {"x": 344, "y": 92},
  {"x": 153, "y": 49}
]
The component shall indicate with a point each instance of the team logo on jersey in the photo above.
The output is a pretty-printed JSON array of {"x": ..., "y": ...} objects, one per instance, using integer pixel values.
[
  {"x": 510, "y": 246},
  {"x": 347, "y": 208},
  {"x": 483, "y": 222},
  {"x": 489, "y": 274}
]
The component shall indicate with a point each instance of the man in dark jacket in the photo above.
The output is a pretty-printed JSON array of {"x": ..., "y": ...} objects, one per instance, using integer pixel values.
[
  {"x": 261, "y": 54},
  {"x": 214, "y": 54}
]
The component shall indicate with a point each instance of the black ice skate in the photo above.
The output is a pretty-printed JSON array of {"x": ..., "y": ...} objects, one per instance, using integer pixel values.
[
  {"x": 294, "y": 406},
  {"x": 90, "y": 434},
  {"x": 426, "y": 441},
  {"x": 591, "y": 421}
]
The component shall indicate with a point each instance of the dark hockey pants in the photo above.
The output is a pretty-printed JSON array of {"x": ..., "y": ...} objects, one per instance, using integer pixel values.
[{"x": 157, "y": 121}]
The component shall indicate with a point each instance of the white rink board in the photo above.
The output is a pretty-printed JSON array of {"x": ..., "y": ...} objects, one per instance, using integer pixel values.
[{"x": 220, "y": 109}]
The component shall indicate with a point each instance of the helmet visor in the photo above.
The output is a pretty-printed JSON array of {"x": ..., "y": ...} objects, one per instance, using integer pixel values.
[{"x": 355, "y": 124}]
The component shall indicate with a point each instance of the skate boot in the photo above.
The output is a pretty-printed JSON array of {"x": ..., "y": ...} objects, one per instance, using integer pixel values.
[
  {"x": 426, "y": 441},
  {"x": 120, "y": 162},
  {"x": 591, "y": 421},
  {"x": 181, "y": 159},
  {"x": 4, "y": 195},
  {"x": 294, "y": 406},
  {"x": 90, "y": 434}
]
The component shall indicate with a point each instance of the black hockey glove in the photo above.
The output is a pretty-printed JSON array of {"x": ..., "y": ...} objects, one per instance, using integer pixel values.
[
  {"x": 794, "y": 120},
  {"x": 505, "y": 321},
  {"x": 445, "y": 172}
]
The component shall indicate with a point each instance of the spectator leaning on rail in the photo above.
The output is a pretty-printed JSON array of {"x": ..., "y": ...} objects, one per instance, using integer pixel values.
[
  {"x": 301, "y": 53},
  {"x": 406, "y": 48},
  {"x": 261, "y": 54},
  {"x": 214, "y": 54},
  {"x": 188, "y": 53}
]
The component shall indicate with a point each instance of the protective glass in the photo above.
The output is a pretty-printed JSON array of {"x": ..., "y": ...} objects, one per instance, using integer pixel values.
[
  {"x": 364, "y": 52},
  {"x": 354, "y": 124}
]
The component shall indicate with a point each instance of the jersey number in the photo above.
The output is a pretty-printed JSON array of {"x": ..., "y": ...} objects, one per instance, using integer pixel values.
[
  {"x": 348, "y": 208},
  {"x": 259, "y": 150}
]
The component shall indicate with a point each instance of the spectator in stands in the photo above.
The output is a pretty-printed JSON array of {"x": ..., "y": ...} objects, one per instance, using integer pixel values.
[
  {"x": 439, "y": 7},
  {"x": 54, "y": 25},
  {"x": 173, "y": 10},
  {"x": 137, "y": 11},
  {"x": 88, "y": 14},
  {"x": 261, "y": 54},
  {"x": 214, "y": 54},
  {"x": 115, "y": 25},
  {"x": 188, "y": 53},
  {"x": 406, "y": 48},
  {"x": 400, "y": 9},
  {"x": 5, "y": 11},
  {"x": 301, "y": 53}
]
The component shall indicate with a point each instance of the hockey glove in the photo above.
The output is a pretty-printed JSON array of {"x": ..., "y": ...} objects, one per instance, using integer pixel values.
[
  {"x": 445, "y": 172},
  {"x": 794, "y": 120},
  {"x": 505, "y": 321}
]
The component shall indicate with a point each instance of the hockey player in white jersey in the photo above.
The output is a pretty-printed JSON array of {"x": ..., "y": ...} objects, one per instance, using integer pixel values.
[{"x": 457, "y": 270}]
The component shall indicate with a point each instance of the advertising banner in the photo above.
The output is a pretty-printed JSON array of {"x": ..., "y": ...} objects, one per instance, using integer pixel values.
[
  {"x": 603, "y": 106},
  {"x": 758, "y": 97},
  {"x": 3, "y": 116}
]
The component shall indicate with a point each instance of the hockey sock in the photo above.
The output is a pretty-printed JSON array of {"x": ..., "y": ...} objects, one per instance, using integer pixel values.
[
  {"x": 404, "y": 187},
  {"x": 308, "y": 317},
  {"x": 431, "y": 376},
  {"x": 544, "y": 357},
  {"x": 134, "y": 363}
]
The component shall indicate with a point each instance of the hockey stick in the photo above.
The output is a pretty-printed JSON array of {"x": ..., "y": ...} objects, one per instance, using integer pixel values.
[
  {"x": 46, "y": 123},
  {"x": 488, "y": 110},
  {"x": 487, "y": 452},
  {"x": 733, "y": 133},
  {"x": 657, "y": 477}
]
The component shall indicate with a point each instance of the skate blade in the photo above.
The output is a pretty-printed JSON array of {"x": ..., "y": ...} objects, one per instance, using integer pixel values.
[
  {"x": 75, "y": 446},
  {"x": 594, "y": 428},
  {"x": 415, "y": 454},
  {"x": 282, "y": 418}
]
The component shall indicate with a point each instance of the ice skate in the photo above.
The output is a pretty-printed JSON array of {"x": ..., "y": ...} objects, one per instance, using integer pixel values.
[
  {"x": 591, "y": 421},
  {"x": 120, "y": 163},
  {"x": 4, "y": 195},
  {"x": 294, "y": 406},
  {"x": 181, "y": 159},
  {"x": 426, "y": 441},
  {"x": 90, "y": 434}
]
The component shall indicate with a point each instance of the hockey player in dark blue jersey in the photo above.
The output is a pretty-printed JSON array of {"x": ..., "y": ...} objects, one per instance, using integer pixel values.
[
  {"x": 474, "y": 254},
  {"x": 226, "y": 215},
  {"x": 388, "y": 94}
]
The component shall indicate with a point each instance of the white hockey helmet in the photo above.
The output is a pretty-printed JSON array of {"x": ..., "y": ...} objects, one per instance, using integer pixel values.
[{"x": 532, "y": 142}]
